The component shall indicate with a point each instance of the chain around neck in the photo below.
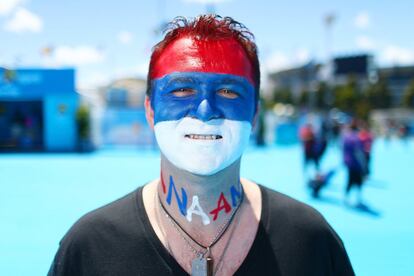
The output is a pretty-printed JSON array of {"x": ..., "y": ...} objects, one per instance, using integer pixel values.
[{"x": 223, "y": 228}]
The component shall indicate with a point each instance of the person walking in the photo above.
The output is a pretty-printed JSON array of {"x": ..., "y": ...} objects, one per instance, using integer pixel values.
[{"x": 354, "y": 160}]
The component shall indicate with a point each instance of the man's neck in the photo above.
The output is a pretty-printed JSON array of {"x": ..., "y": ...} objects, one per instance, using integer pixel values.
[{"x": 202, "y": 205}]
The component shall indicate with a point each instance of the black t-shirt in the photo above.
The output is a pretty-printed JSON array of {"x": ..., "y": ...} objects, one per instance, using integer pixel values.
[{"x": 118, "y": 239}]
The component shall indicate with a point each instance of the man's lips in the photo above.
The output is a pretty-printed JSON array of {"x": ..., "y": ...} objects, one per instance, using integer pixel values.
[{"x": 203, "y": 136}]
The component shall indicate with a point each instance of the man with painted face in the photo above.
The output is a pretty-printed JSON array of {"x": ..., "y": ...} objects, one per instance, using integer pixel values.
[{"x": 200, "y": 217}]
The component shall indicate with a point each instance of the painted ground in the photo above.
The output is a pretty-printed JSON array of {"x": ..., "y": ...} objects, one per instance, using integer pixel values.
[{"x": 42, "y": 195}]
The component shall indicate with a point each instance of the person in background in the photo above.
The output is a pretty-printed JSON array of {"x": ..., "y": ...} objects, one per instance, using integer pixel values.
[
  {"x": 320, "y": 180},
  {"x": 367, "y": 139},
  {"x": 404, "y": 131},
  {"x": 308, "y": 139},
  {"x": 314, "y": 146},
  {"x": 354, "y": 160}
]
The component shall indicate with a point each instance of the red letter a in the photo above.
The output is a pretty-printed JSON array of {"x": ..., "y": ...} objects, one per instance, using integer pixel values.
[{"x": 221, "y": 204}]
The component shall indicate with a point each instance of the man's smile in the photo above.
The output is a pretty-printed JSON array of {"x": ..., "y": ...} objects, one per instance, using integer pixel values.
[{"x": 203, "y": 136}]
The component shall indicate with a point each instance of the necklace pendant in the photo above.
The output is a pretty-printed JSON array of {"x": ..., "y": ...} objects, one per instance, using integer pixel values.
[{"x": 202, "y": 267}]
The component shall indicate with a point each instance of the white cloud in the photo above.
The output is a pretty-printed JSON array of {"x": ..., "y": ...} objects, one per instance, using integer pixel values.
[
  {"x": 7, "y": 6},
  {"x": 364, "y": 43},
  {"x": 139, "y": 70},
  {"x": 277, "y": 61},
  {"x": 24, "y": 21},
  {"x": 362, "y": 20},
  {"x": 395, "y": 55},
  {"x": 88, "y": 81},
  {"x": 125, "y": 37},
  {"x": 280, "y": 61},
  {"x": 81, "y": 55},
  {"x": 302, "y": 56}
]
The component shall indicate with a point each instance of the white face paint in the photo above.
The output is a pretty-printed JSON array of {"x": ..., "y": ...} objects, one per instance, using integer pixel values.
[{"x": 192, "y": 145}]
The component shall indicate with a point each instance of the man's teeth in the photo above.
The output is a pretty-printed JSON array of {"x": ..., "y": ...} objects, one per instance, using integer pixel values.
[{"x": 203, "y": 137}]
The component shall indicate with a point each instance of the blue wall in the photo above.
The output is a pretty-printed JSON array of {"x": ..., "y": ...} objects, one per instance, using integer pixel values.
[
  {"x": 56, "y": 88},
  {"x": 126, "y": 126},
  {"x": 60, "y": 125}
]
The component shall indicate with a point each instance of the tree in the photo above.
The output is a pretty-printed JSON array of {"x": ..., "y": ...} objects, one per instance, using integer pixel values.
[
  {"x": 408, "y": 97},
  {"x": 323, "y": 96},
  {"x": 379, "y": 95},
  {"x": 84, "y": 128},
  {"x": 83, "y": 122},
  {"x": 349, "y": 98},
  {"x": 283, "y": 95},
  {"x": 9, "y": 75},
  {"x": 303, "y": 99},
  {"x": 346, "y": 96},
  {"x": 363, "y": 109}
]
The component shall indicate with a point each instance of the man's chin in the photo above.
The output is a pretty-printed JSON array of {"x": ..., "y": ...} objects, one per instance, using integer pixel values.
[
  {"x": 203, "y": 170},
  {"x": 201, "y": 165}
]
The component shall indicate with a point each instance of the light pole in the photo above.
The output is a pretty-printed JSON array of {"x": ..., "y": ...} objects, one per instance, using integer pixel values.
[{"x": 329, "y": 20}]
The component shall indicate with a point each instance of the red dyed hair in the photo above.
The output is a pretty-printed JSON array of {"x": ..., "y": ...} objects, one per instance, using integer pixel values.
[{"x": 208, "y": 27}]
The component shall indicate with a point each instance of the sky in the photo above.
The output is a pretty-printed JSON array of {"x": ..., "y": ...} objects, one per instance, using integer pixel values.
[{"x": 106, "y": 40}]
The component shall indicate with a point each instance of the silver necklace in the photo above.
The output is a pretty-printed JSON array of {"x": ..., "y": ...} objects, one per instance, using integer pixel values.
[
  {"x": 220, "y": 261},
  {"x": 202, "y": 265}
]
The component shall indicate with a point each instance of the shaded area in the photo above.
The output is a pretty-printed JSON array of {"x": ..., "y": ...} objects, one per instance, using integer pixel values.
[
  {"x": 21, "y": 124},
  {"x": 366, "y": 209}
]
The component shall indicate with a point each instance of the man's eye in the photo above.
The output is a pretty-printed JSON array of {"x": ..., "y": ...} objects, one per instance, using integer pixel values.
[
  {"x": 227, "y": 93},
  {"x": 183, "y": 92}
]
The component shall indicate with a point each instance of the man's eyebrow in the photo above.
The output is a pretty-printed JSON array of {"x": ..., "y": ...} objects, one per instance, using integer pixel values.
[
  {"x": 181, "y": 80},
  {"x": 231, "y": 81}
]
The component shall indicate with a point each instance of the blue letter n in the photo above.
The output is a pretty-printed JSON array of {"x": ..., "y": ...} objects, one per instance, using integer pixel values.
[{"x": 181, "y": 202}]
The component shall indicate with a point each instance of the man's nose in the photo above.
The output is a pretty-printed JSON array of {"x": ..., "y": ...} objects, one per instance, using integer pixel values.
[{"x": 205, "y": 111}]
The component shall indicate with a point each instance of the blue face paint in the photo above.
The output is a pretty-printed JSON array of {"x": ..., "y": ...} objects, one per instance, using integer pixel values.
[{"x": 204, "y": 96}]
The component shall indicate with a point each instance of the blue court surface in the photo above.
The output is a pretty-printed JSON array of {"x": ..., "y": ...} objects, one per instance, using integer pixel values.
[{"x": 42, "y": 195}]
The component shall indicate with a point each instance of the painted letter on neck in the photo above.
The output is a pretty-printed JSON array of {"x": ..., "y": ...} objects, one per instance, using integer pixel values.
[
  {"x": 195, "y": 208},
  {"x": 181, "y": 202},
  {"x": 221, "y": 204}
]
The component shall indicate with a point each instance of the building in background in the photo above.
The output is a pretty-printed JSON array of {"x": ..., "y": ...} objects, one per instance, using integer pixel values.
[
  {"x": 123, "y": 119},
  {"x": 38, "y": 110},
  {"x": 306, "y": 78},
  {"x": 347, "y": 85},
  {"x": 124, "y": 93},
  {"x": 359, "y": 67},
  {"x": 296, "y": 80},
  {"x": 397, "y": 80}
]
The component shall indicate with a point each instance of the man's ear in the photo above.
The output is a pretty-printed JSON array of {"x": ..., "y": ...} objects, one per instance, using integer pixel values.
[{"x": 149, "y": 112}]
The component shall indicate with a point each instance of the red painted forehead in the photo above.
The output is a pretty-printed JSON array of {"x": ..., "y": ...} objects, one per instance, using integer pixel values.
[{"x": 187, "y": 54}]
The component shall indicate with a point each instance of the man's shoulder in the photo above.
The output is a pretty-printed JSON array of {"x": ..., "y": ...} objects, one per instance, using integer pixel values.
[
  {"x": 296, "y": 229},
  {"x": 299, "y": 238},
  {"x": 113, "y": 218},
  {"x": 111, "y": 240}
]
